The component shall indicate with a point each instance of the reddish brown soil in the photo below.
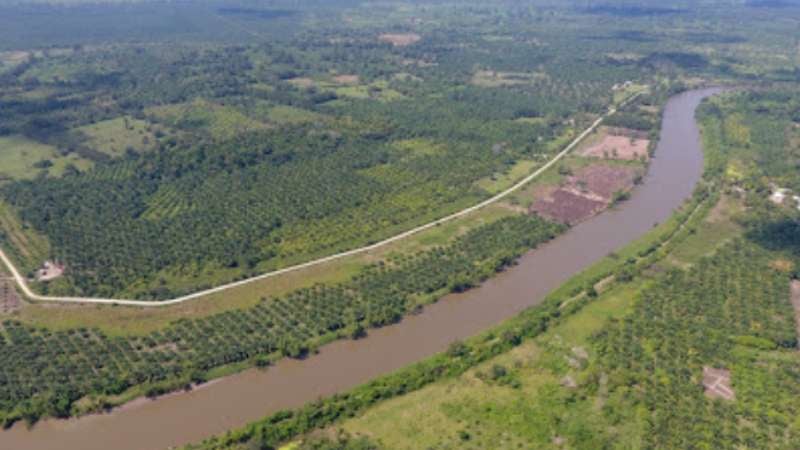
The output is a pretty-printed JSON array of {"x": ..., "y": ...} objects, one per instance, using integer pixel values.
[
  {"x": 400, "y": 40},
  {"x": 584, "y": 194},
  {"x": 566, "y": 207},
  {"x": 9, "y": 299},
  {"x": 604, "y": 180},
  {"x": 618, "y": 146},
  {"x": 718, "y": 383}
]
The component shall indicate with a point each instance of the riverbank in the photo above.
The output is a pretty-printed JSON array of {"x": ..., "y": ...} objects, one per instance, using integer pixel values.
[{"x": 290, "y": 383}]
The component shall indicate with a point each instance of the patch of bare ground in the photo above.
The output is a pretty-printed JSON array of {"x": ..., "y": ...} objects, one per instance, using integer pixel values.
[
  {"x": 346, "y": 79},
  {"x": 620, "y": 143},
  {"x": 717, "y": 383},
  {"x": 400, "y": 39},
  {"x": 50, "y": 271},
  {"x": 721, "y": 212},
  {"x": 583, "y": 194},
  {"x": 14, "y": 57},
  {"x": 566, "y": 207},
  {"x": 9, "y": 298},
  {"x": 302, "y": 82},
  {"x": 795, "y": 290},
  {"x": 782, "y": 265}
]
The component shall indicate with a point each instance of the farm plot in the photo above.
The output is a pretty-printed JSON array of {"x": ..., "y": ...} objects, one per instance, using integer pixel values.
[
  {"x": 22, "y": 158},
  {"x": 9, "y": 298},
  {"x": 400, "y": 39},
  {"x": 114, "y": 137},
  {"x": 585, "y": 193},
  {"x": 619, "y": 144}
]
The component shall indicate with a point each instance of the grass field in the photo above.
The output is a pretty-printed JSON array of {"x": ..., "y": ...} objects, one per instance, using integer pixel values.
[
  {"x": 114, "y": 136},
  {"x": 500, "y": 182},
  {"x": 716, "y": 229},
  {"x": 222, "y": 122},
  {"x": 483, "y": 409},
  {"x": 19, "y": 155},
  {"x": 283, "y": 114},
  {"x": 419, "y": 147}
]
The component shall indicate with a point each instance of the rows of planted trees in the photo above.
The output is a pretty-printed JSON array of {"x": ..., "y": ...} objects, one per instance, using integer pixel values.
[
  {"x": 44, "y": 372},
  {"x": 732, "y": 312},
  {"x": 643, "y": 383},
  {"x": 232, "y": 188}
]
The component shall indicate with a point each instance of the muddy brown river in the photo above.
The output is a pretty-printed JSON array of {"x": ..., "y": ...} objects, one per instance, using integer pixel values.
[{"x": 233, "y": 401}]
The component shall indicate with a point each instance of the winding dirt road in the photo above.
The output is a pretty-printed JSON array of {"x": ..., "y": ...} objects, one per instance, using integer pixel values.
[{"x": 30, "y": 294}]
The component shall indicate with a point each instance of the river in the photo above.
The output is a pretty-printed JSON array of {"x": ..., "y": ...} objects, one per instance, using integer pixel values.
[{"x": 233, "y": 401}]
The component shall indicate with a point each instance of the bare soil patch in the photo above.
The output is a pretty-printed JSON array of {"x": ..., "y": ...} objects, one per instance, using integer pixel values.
[
  {"x": 493, "y": 78},
  {"x": 587, "y": 192},
  {"x": 400, "y": 39},
  {"x": 620, "y": 144},
  {"x": 9, "y": 298},
  {"x": 302, "y": 82},
  {"x": 795, "y": 289},
  {"x": 604, "y": 180},
  {"x": 50, "y": 271},
  {"x": 566, "y": 207},
  {"x": 346, "y": 79},
  {"x": 718, "y": 383},
  {"x": 14, "y": 57},
  {"x": 782, "y": 265}
]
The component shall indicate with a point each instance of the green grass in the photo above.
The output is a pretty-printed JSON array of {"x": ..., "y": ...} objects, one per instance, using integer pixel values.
[
  {"x": 283, "y": 114},
  {"x": 494, "y": 414},
  {"x": 114, "y": 136},
  {"x": 18, "y": 155},
  {"x": 526, "y": 407},
  {"x": 717, "y": 228},
  {"x": 223, "y": 122},
  {"x": 499, "y": 182},
  {"x": 419, "y": 147},
  {"x": 28, "y": 249}
]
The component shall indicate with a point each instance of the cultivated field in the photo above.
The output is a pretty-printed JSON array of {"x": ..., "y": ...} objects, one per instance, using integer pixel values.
[
  {"x": 619, "y": 144},
  {"x": 585, "y": 193}
]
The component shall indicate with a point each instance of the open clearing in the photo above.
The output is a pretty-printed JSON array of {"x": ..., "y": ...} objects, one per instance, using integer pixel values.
[
  {"x": 113, "y": 137},
  {"x": 346, "y": 79},
  {"x": 492, "y": 78},
  {"x": 583, "y": 194},
  {"x": 717, "y": 383},
  {"x": 9, "y": 298},
  {"x": 283, "y": 114},
  {"x": 400, "y": 39},
  {"x": 509, "y": 411},
  {"x": 619, "y": 144},
  {"x": 223, "y": 122},
  {"x": 19, "y": 157}
]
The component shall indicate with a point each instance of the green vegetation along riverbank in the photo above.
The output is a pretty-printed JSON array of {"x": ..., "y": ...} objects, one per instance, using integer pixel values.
[{"x": 696, "y": 348}]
